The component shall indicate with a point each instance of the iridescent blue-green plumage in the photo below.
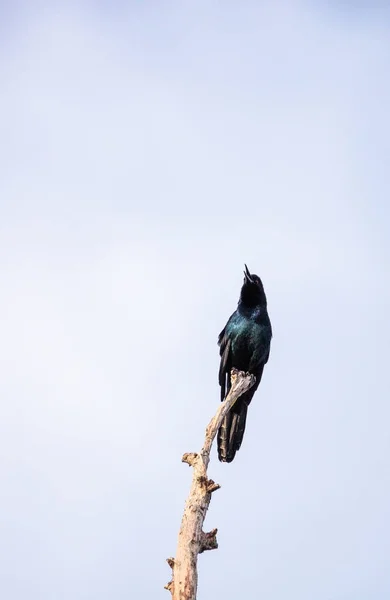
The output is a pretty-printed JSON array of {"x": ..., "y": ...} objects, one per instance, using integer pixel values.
[{"x": 244, "y": 344}]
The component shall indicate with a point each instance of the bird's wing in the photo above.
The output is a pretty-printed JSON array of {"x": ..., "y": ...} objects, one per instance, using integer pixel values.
[{"x": 225, "y": 365}]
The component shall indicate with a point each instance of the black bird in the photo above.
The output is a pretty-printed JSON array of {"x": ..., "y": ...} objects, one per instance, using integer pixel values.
[{"x": 244, "y": 344}]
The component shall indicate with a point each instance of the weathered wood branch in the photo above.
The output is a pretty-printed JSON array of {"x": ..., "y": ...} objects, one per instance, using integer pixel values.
[{"x": 192, "y": 539}]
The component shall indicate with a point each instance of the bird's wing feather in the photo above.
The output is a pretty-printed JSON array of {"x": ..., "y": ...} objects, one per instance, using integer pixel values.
[
  {"x": 221, "y": 338},
  {"x": 224, "y": 366}
]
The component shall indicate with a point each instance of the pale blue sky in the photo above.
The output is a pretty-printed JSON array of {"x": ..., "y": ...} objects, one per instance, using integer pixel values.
[{"x": 148, "y": 150}]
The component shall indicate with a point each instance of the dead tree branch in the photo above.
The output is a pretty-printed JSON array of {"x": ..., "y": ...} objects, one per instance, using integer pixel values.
[{"x": 192, "y": 539}]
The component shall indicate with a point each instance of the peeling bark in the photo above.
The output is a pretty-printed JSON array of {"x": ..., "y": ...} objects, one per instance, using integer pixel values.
[{"x": 192, "y": 539}]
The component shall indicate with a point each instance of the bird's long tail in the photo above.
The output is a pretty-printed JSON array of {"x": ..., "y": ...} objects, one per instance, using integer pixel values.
[{"x": 231, "y": 432}]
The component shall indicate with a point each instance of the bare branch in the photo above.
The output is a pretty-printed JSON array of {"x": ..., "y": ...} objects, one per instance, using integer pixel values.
[{"x": 192, "y": 539}]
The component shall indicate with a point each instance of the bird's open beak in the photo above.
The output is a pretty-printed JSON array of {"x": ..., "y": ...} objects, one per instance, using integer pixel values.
[{"x": 248, "y": 277}]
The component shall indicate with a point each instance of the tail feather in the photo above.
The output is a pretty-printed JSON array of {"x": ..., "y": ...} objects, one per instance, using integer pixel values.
[{"x": 231, "y": 432}]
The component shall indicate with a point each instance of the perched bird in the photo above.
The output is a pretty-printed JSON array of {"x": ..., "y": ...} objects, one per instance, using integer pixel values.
[{"x": 244, "y": 344}]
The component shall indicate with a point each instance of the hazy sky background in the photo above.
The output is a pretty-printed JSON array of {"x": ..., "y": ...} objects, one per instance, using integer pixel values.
[{"x": 148, "y": 150}]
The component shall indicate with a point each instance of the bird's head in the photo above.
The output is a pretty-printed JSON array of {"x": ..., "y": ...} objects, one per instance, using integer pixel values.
[{"x": 252, "y": 291}]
